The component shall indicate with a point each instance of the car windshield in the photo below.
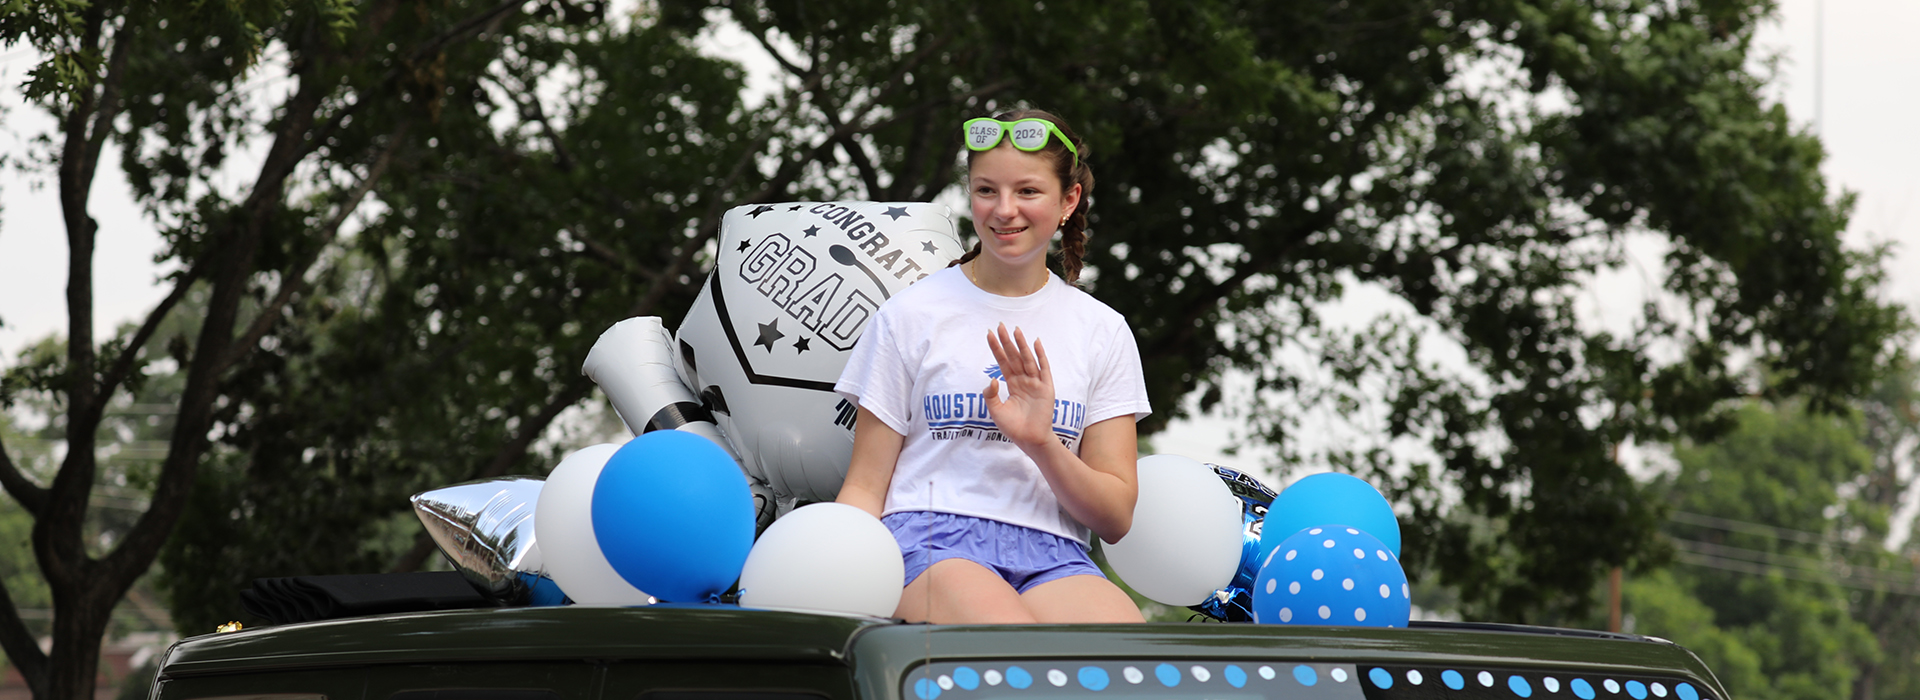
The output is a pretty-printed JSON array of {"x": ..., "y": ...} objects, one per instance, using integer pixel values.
[{"x": 1189, "y": 680}]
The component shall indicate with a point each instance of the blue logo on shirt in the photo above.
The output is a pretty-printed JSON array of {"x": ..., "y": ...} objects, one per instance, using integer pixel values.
[
  {"x": 964, "y": 414},
  {"x": 993, "y": 370}
]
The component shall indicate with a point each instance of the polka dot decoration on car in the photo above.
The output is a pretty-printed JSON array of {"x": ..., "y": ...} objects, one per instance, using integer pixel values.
[
  {"x": 1177, "y": 679},
  {"x": 1332, "y": 575}
]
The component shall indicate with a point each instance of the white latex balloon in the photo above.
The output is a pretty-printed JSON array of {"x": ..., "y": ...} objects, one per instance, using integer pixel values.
[
  {"x": 791, "y": 290},
  {"x": 1186, "y": 541},
  {"x": 826, "y": 557},
  {"x": 564, "y": 519}
]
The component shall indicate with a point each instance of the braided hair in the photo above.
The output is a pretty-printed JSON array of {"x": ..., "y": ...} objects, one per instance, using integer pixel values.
[{"x": 1073, "y": 234}]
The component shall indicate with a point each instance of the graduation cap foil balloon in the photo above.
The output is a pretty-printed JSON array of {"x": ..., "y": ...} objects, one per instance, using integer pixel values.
[
  {"x": 1235, "y": 602},
  {"x": 485, "y": 529},
  {"x": 791, "y": 290}
]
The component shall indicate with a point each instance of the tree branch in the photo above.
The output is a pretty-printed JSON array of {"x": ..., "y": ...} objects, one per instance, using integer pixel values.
[
  {"x": 229, "y": 268},
  {"x": 109, "y": 105},
  {"x": 468, "y": 26},
  {"x": 869, "y": 176},
  {"x": 759, "y": 31},
  {"x": 561, "y": 158},
  {"x": 20, "y": 645},
  {"x": 61, "y": 519},
  {"x": 295, "y": 279},
  {"x": 31, "y": 496},
  {"x": 605, "y": 253},
  {"x": 766, "y": 44},
  {"x": 123, "y": 364}
]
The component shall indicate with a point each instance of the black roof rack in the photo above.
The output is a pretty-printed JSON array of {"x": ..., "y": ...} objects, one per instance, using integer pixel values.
[{"x": 1531, "y": 629}]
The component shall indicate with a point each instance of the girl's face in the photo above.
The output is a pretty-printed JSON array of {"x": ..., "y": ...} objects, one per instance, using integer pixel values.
[{"x": 1017, "y": 203}]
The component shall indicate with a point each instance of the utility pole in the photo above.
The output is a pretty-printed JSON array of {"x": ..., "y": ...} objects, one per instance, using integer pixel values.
[
  {"x": 1613, "y": 577},
  {"x": 1819, "y": 65},
  {"x": 1613, "y": 600}
]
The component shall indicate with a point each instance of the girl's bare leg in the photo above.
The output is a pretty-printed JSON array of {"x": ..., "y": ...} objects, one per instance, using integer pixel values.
[
  {"x": 1084, "y": 598},
  {"x": 957, "y": 591}
]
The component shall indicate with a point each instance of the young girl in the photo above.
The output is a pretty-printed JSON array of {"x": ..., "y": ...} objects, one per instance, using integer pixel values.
[{"x": 997, "y": 402}]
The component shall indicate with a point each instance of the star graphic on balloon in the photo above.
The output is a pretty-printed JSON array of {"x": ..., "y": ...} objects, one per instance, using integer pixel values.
[
  {"x": 803, "y": 344},
  {"x": 769, "y": 334},
  {"x": 795, "y": 207},
  {"x": 757, "y": 211},
  {"x": 895, "y": 212},
  {"x": 928, "y": 246},
  {"x": 812, "y": 231},
  {"x": 745, "y": 243}
]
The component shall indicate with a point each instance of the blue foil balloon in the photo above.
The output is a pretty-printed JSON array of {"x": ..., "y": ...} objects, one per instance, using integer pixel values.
[
  {"x": 674, "y": 516},
  {"x": 1235, "y": 602},
  {"x": 1332, "y": 575},
  {"x": 1332, "y": 498}
]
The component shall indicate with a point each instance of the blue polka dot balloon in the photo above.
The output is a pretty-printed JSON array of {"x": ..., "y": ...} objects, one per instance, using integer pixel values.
[{"x": 1332, "y": 575}]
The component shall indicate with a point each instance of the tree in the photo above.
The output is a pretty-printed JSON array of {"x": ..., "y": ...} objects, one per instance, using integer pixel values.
[
  {"x": 1781, "y": 468},
  {"x": 462, "y": 312},
  {"x": 1788, "y": 588},
  {"x": 161, "y": 82},
  {"x": 1890, "y": 420}
]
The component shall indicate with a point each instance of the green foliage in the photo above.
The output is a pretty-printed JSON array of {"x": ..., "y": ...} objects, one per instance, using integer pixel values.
[{"x": 1797, "y": 608}]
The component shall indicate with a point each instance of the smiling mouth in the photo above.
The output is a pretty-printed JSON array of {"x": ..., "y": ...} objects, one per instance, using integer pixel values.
[{"x": 1008, "y": 231}]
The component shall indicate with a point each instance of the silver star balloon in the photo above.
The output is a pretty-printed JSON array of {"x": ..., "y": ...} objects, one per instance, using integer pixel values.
[{"x": 485, "y": 529}]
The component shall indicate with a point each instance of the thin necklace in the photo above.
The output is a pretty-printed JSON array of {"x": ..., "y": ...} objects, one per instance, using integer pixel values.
[{"x": 966, "y": 268}]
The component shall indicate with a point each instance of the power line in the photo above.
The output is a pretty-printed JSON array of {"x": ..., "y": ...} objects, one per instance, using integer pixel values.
[
  {"x": 1761, "y": 530},
  {"x": 1752, "y": 555},
  {"x": 1743, "y": 567},
  {"x": 1821, "y": 567}
]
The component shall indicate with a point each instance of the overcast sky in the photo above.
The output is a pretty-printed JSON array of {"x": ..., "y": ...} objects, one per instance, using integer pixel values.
[{"x": 1871, "y": 96}]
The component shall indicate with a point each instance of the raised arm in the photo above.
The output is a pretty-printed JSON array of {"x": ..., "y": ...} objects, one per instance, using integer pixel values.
[
  {"x": 1098, "y": 487},
  {"x": 876, "y": 449}
]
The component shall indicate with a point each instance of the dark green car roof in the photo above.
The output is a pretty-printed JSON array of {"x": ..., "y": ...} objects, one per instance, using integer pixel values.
[
  {"x": 662, "y": 632},
  {"x": 880, "y": 651}
]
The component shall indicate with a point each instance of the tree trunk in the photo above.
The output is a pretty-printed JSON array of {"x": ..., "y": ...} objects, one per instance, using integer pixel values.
[{"x": 79, "y": 626}]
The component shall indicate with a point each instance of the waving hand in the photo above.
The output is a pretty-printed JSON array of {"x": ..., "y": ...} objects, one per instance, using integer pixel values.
[{"x": 1025, "y": 414}]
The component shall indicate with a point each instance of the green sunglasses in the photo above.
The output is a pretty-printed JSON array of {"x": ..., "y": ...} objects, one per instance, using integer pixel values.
[{"x": 1028, "y": 135}]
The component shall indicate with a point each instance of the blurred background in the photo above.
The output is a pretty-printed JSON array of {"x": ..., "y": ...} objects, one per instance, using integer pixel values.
[{"x": 1613, "y": 299}]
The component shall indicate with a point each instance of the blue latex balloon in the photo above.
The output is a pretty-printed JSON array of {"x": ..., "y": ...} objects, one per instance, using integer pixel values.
[
  {"x": 1331, "y": 498},
  {"x": 1332, "y": 575},
  {"x": 674, "y": 516},
  {"x": 1235, "y": 602}
]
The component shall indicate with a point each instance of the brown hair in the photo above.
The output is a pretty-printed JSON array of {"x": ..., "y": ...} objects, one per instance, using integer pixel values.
[{"x": 1073, "y": 234}]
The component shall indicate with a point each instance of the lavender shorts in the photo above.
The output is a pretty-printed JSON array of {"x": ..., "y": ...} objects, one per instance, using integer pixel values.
[{"x": 1023, "y": 556}]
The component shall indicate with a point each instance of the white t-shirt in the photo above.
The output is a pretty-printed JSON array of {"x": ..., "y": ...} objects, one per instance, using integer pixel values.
[{"x": 922, "y": 365}]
